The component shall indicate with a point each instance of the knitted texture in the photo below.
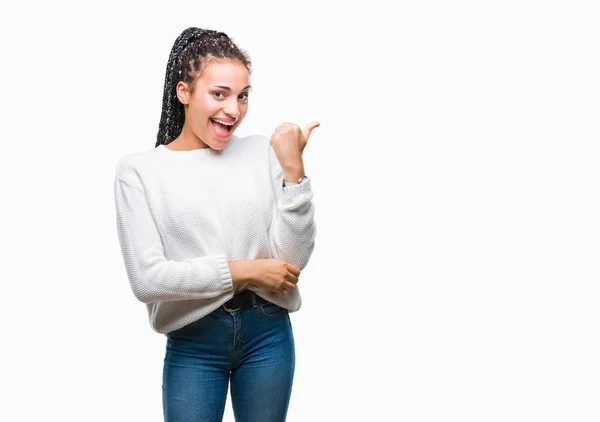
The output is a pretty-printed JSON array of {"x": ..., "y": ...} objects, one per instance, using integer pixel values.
[{"x": 182, "y": 215}]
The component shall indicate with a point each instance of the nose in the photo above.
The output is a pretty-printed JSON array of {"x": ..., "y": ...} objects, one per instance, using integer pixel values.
[{"x": 232, "y": 111}]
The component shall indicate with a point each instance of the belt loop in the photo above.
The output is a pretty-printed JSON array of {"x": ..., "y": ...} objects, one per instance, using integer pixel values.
[{"x": 230, "y": 310}]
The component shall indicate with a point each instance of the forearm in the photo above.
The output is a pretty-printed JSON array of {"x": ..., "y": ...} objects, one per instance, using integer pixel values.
[
  {"x": 153, "y": 277},
  {"x": 293, "y": 172},
  {"x": 292, "y": 231}
]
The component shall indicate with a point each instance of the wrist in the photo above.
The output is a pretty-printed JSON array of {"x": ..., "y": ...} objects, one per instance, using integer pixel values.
[
  {"x": 293, "y": 174},
  {"x": 241, "y": 271}
]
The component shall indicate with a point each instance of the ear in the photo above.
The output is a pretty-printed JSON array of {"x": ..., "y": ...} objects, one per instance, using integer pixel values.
[{"x": 183, "y": 92}]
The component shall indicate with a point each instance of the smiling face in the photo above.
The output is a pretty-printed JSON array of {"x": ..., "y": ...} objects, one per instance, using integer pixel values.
[{"x": 219, "y": 94}]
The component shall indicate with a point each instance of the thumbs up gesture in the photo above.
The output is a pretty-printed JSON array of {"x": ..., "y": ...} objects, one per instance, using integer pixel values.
[{"x": 288, "y": 142}]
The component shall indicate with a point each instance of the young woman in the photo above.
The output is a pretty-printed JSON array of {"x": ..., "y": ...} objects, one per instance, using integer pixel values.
[{"x": 214, "y": 231}]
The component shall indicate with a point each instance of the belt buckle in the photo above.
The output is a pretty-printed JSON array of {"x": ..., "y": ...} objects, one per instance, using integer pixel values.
[
  {"x": 241, "y": 300},
  {"x": 233, "y": 299}
]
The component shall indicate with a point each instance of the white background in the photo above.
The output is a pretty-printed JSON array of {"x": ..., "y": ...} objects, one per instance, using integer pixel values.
[{"x": 455, "y": 172}]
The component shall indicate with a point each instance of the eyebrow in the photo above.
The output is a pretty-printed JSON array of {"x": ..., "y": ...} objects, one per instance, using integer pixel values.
[{"x": 229, "y": 89}]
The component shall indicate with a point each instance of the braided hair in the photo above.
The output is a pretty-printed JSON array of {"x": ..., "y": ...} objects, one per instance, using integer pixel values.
[{"x": 194, "y": 48}]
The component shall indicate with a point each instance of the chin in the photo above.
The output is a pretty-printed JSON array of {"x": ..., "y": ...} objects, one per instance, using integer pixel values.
[{"x": 220, "y": 144}]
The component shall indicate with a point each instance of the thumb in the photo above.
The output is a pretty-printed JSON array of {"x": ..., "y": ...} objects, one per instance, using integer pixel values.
[{"x": 309, "y": 128}]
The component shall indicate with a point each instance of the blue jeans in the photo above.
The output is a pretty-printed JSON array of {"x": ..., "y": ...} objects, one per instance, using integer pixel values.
[{"x": 254, "y": 348}]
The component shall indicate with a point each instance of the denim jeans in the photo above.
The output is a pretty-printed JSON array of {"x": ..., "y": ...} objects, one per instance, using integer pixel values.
[{"x": 253, "y": 348}]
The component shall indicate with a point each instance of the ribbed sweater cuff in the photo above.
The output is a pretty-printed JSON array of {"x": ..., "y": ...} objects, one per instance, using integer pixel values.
[
  {"x": 226, "y": 281},
  {"x": 296, "y": 196}
]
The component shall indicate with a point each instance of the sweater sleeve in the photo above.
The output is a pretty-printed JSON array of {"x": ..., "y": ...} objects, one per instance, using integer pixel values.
[
  {"x": 293, "y": 229},
  {"x": 152, "y": 277}
]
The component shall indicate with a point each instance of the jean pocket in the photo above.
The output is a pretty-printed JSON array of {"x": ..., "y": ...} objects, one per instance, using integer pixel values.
[{"x": 269, "y": 309}]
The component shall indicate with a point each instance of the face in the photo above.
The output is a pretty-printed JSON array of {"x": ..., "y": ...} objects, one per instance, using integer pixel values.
[{"x": 221, "y": 93}]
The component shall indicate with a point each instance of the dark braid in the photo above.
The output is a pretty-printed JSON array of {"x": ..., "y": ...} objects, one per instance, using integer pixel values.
[{"x": 194, "y": 48}]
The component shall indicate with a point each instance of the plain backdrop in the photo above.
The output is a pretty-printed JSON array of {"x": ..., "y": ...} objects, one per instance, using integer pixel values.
[{"x": 456, "y": 187}]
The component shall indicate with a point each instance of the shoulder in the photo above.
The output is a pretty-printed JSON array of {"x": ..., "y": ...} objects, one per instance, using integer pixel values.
[
  {"x": 130, "y": 165},
  {"x": 255, "y": 141},
  {"x": 253, "y": 147}
]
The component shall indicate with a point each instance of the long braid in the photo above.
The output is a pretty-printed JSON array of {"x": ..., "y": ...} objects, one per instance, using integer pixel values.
[{"x": 193, "y": 49}]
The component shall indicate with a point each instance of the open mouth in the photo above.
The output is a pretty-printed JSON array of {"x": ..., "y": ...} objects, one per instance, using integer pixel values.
[{"x": 221, "y": 129}]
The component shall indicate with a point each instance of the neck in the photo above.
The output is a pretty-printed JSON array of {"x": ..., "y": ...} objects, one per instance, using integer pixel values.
[{"x": 186, "y": 141}]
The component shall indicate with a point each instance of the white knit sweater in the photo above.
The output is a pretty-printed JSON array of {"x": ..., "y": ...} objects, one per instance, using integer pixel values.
[{"x": 182, "y": 215}]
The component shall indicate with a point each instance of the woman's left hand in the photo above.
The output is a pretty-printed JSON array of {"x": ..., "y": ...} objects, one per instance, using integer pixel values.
[{"x": 288, "y": 142}]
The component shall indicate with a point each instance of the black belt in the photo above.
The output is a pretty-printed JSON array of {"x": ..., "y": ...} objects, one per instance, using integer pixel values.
[{"x": 244, "y": 300}]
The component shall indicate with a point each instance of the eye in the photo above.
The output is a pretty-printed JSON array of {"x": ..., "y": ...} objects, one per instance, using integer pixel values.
[{"x": 241, "y": 95}]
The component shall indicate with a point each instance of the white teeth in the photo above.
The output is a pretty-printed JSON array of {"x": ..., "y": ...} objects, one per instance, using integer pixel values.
[{"x": 223, "y": 123}]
